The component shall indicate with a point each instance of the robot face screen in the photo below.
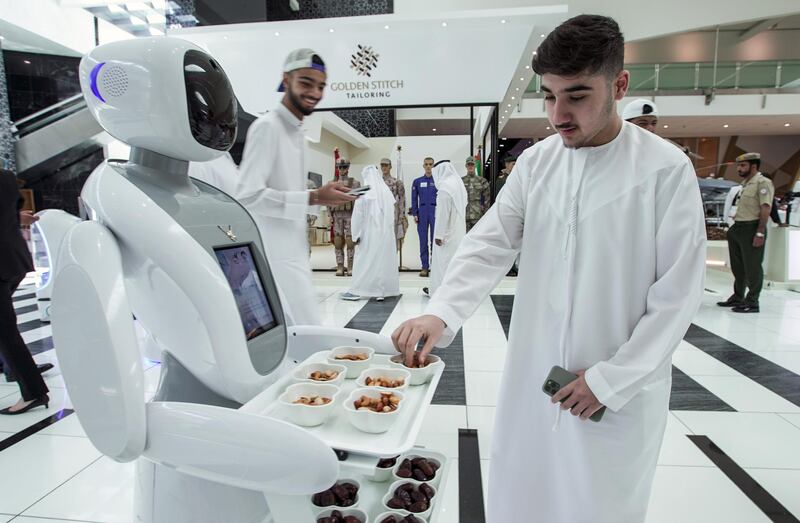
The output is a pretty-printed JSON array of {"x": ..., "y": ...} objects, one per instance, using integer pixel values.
[
  {"x": 240, "y": 270},
  {"x": 211, "y": 102}
]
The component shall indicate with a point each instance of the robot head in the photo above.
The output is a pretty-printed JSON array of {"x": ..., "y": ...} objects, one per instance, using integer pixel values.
[{"x": 161, "y": 94}]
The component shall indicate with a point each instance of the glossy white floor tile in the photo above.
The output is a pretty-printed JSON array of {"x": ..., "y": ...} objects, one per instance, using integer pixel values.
[
  {"x": 445, "y": 418},
  {"x": 752, "y": 440},
  {"x": 677, "y": 449},
  {"x": 695, "y": 362},
  {"x": 784, "y": 485},
  {"x": 482, "y": 388},
  {"x": 699, "y": 495},
  {"x": 40, "y": 464},
  {"x": 58, "y": 400},
  {"x": 745, "y": 395},
  {"x": 482, "y": 359},
  {"x": 101, "y": 492}
]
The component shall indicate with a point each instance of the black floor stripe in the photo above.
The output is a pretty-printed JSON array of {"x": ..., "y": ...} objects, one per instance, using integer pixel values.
[
  {"x": 779, "y": 380},
  {"x": 687, "y": 394},
  {"x": 710, "y": 291},
  {"x": 470, "y": 492},
  {"x": 30, "y": 325},
  {"x": 22, "y": 297},
  {"x": 39, "y": 346},
  {"x": 33, "y": 429},
  {"x": 373, "y": 314},
  {"x": 26, "y": 309},
  {"x": 504, "y": 305},
  {"x": 452, "y": 389},
  {"x": 770, "y": 506}
]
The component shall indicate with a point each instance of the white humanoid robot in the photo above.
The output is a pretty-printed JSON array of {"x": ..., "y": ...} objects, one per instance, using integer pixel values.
[
  {"x": 187, "y": 261},
  {"x": 48, "y": 233}
]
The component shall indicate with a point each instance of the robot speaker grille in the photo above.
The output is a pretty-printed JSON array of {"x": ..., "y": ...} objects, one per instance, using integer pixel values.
[{"x": 114, "y": 81}]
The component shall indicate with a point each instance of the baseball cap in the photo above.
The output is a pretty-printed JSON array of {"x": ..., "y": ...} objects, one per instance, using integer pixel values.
[
  {"x": 302, "y": 59},
  {"x": 640, "y": 107}
]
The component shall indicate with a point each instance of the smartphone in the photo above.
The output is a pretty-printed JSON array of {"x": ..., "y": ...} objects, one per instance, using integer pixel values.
[
  {"x": 560, "y": 377},
  {"x": 358, "y": 191}
]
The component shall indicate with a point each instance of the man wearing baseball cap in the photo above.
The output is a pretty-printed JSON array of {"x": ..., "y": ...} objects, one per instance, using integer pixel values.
[
  {"x": 747, "y": 235},
  {"x": 643, "y": 113},
  {"x": 272, "y": 183}
]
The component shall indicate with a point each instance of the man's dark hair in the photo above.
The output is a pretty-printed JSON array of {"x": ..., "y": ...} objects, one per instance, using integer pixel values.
[
  {"x": 427, "y": 158},
  {"x": 585, "y": 44}
]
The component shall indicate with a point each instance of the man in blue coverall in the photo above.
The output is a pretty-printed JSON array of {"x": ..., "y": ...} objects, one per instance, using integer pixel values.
[{"x": 423, "y": 208}]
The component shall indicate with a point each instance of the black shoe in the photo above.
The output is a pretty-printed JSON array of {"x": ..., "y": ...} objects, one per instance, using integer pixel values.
[
  {"x": 44, "y": 400},
  {"x": 733, "y": 301},
  {"x": 44, "y": 367},
  {"x": 426, "y": 291},
  {"x": 746, "y": 308}
]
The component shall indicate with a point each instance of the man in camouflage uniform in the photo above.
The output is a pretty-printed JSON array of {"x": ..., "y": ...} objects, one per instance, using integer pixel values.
[
  {"x": 311, "y": 219},
  {"x": 477, "y": 194},
  {"x": 399, "y": 192},
  {"x": 341, "y": 216}
]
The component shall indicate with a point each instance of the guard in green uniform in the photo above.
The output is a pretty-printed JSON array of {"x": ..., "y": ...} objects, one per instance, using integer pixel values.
[
  {"x": 747, "y": 235},
  {"x": 502, "y": 176},
  {"x": 477, "y": 194},
  {"x": 342, "y": 215}
]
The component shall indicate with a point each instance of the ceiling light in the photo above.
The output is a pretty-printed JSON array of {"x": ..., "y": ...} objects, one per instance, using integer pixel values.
[
  {"x": 521, "y": 79},
  {"x": 534, "y": 53},
  {"x": 444, "y": 24},
  {"x": 725, "y": 126},
  {"x": 517, "y": 88},
  {"x": 787, "y": 124},
  {"x": 330, "y": 30},
  {"x": 542, "y": 36},
  {"x": 277, "y": 33},
  {"x": 27, "y": 62},
  {"x": 548, "y": 127},
  {"x": 513, "y": 98},
  {"x": 509, "y": 105},
  {"x": 501, "y": 145},
  {"x": 527, "y": 67},
  {"x": 666, "y": 127},
  {"x": 503, "y": 138},
  {"x": 434, "y": 129},
  {"x": 503, "y": 21},
  {"x": 386, "y": 27}
]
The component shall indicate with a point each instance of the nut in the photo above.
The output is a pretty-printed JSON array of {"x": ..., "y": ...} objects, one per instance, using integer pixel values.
[
  {"x": 415, "y": 364},
  {"x": 323, "y": 375},
  {"x": 387, "y": 402},
  {"x": 314, "y": 401},
  {"x": 359, "y": 356},
  {"x": 384, "y": 382}
]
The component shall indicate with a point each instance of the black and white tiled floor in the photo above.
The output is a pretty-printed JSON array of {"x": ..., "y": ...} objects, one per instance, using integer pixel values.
[{"x": 736, "y": 392}]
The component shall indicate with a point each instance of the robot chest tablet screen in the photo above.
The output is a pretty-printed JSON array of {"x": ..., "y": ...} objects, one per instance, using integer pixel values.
[{"x": 243, "y": 277}]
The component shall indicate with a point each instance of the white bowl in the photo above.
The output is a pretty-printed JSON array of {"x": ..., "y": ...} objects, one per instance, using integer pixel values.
[
  {"x": 349, "y": 511},
  {"x": 354, "y": 368},
  {"x": 384, "y": 372},
  {"x": 390, "y": 494},
  {"x": 336, "y": 507},
  {"x": 301, "y": 375},
  {"x": 308, "y": 415},
  {"x": 367, "y": 420},
  {"x": 418, "y": 376},
  {"x": 400, "y": 514},
  {"x": 430, "y": 456}
]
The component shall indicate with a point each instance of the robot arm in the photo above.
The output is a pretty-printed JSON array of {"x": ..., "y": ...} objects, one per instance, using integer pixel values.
[
  {"x": 238, "y": 449},
  {"x": 305, "y": 340}
]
